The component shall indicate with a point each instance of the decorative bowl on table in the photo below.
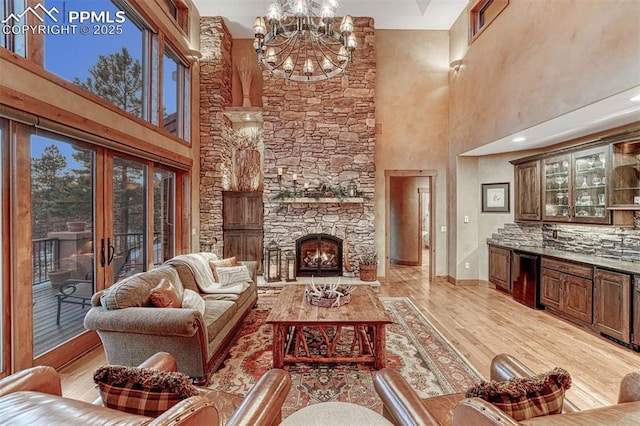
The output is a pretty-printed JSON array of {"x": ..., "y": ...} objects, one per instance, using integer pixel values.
[{"x": 328, "y": 295}]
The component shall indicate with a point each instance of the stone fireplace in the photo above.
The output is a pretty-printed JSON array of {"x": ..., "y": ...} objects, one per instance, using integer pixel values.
[
  {"x": 319, "y": 255},
  {"x": 323, "y": 132}
]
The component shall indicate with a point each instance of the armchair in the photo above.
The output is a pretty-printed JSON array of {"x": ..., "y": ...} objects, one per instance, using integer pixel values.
[
  {"x": 34, "y": 396},
  {"x": 404, "y": 407}
]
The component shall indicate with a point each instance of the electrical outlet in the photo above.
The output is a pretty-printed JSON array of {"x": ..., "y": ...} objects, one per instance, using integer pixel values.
[
  {"x": 466, "y": 265},
  {"x": 443, "y": 229},
  {"x": 466, "y": 219}
]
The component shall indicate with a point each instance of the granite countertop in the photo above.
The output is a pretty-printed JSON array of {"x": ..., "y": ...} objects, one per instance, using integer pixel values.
[{"x": 617, "y": 265}]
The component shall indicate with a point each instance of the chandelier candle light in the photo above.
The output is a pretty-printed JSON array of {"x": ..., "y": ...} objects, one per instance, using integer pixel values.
[{"x": 301, "y": 43}]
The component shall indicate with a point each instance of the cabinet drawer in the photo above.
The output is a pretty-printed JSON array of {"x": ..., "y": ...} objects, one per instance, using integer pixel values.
[{"x": 579, "y": 270}]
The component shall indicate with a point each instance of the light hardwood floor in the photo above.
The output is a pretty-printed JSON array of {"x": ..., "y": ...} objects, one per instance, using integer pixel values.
[{"x": 480, "y": 322}]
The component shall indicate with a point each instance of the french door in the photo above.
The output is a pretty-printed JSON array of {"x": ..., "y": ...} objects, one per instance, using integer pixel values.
[{"x": 97, "y": 216}]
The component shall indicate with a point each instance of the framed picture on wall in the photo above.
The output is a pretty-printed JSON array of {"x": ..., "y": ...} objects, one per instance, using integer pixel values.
[{"x": 495, "y": 197}]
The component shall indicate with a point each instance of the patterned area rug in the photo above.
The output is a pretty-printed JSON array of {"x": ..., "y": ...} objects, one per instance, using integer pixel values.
[{"x": 414, "y": 346}]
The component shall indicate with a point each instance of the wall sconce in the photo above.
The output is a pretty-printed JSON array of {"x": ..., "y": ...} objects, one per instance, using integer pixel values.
[
  {"x": 194, "y": 55},
  {"x": 272, "y": 262},
  {"x": 290, "y": 262},
  {"x": 455, "y": 65}
]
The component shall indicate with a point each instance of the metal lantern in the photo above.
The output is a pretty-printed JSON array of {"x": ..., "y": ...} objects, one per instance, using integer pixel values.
[
  {"x": 272, "y": 262},
  {"x": 290, "y": 262},
  {"x": 352, "y": 189}
]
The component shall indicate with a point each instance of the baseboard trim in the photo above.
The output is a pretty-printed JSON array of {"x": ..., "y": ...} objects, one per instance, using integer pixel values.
[
  {"x": 468, "y": 282},
  {"x": 404, "y": 262}
]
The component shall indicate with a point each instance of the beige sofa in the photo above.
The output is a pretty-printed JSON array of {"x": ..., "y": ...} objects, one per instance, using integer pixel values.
[{"x": 132, "y": 330}]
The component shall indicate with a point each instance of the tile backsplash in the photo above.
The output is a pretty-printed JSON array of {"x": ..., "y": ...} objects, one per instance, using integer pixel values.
[{"x": 608, "y": 242}]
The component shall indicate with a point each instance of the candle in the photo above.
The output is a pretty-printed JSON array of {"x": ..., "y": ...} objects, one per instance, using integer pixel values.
[
  {"x": 295, "y": 176},
  {"x": 279, "y": 171}
]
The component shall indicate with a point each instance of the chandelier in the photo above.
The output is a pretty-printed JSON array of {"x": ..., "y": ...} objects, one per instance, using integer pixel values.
[{"x": 301, "y": 43}]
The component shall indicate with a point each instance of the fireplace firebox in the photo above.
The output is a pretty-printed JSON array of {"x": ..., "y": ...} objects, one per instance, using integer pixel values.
[{"x": 319, "y": 255}]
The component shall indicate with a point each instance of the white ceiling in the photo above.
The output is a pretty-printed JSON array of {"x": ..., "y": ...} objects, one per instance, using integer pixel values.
[{"x": 387, "y": 14}]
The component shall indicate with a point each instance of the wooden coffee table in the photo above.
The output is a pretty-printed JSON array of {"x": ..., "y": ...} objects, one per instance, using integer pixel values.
[{"x": 362, "y": 321}]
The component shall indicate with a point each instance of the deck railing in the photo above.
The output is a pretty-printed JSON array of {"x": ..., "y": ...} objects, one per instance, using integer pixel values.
[
  {"x": 46, "y": 253},
  {"x": 46, "y": 257}
]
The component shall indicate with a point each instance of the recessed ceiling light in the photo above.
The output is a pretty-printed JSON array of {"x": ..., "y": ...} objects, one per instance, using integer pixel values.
[
  {"x": 519, "y": 139},
  {"x": 635, "y": 98}
]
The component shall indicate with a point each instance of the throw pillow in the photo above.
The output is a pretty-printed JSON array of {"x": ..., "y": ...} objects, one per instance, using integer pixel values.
[
  {"x": 226, "y": 262},
  {"x": 524, "y": 398},
  {"x": 230, "y": 276},
  {"x": 192, "y": 300},
  {"x": 146, "y": 392},
  {"x": 164, "y": 295}
]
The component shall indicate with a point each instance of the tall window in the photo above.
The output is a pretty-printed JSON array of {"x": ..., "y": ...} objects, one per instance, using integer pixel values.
[
  {"x": 12, "y": 36},
  {"x": 175, "y": 95},
  {"x": 63, "y": 226},
  {"x": 2, "y": 207},
  {"x": 164, "y": 193},
  {"x": 104, "y": 58},
  {"x": 129, "y": 212}
]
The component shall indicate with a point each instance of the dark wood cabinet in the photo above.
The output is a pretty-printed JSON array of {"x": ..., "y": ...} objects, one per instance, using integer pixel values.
[
  {"x": 243, "y": 225},
  {"x": 551, "y": 288},
  {"x": 612, "y": 304},
  {"x": 500, "y": 268},
  {"x": 527, "y": 191},
  {"x": 567, "y": 289}
]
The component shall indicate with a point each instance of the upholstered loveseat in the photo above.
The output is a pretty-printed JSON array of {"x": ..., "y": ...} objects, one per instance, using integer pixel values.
[{"x": 131, "y": 329}]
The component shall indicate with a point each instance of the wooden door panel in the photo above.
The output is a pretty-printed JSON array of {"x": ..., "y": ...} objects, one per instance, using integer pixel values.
[
  {"x": 500, "y": 267},
  {"x": 551, "y": 288},
  {"x": 527, "y": 196},
  {"x": 612, "y": 305},
  {"x": 577, "y": 298}
]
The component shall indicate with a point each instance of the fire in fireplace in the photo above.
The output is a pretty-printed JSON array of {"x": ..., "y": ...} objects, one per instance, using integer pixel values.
[{"x": 319, "y": 255}]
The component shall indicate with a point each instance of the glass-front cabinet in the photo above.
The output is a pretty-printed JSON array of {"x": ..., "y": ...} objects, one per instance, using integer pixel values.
[
  {"x": 625, "y": 175},
  {"x": 575, "y": 187}
]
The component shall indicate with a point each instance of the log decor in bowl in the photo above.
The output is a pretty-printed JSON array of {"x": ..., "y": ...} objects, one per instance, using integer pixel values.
[{"x": 328, "y": 295}]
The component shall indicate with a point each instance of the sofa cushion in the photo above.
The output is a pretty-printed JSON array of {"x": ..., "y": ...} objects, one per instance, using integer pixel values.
[
  {"x": 224, "y": 263},
  {"x": 134, "y": 290},
  {"x": 146, "y": 392},
  {"x": 232, "y": 275},
  {"x": 192, "y": 300},
  {"x": 217, "y": 314},
  {"x": 524, "y": 398},
  {"x": 164, "y": 295}
]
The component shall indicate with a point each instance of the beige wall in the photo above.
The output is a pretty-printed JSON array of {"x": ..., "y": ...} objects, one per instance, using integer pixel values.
[
  {"x": 538, "y": 60},
  {"x": 411, "y": 112}
]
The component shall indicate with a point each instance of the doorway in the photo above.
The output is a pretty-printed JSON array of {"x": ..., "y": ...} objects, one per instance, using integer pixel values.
[{"x": 409, "y": 220}]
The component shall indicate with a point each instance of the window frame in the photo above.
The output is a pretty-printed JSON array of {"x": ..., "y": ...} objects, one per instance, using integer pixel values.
[{"x": 477, "y": 22}]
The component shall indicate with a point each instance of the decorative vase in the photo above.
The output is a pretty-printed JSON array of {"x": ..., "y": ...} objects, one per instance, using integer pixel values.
[{"x": 369, "y": 272}]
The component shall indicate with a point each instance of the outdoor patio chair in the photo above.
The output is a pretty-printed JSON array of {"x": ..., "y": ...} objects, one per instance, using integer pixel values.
[{"x": 80, "y": 291}]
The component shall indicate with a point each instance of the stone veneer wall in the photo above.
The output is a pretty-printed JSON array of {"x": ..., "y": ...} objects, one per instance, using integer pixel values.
[
  {"x": 609, "y": 242},
  {"x": 215, "y": 94},
  {"x": 324, "y": 132}
]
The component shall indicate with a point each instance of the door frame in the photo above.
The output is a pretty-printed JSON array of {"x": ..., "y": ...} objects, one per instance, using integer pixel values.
[{"x": 432, "y": 175}]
